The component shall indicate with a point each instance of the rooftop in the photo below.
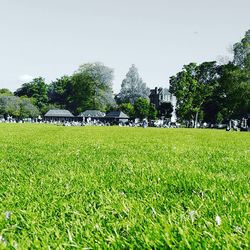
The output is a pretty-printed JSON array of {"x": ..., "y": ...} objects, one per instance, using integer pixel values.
[
  {"x": 117, "y": 114},
  {"x": 91, "y": 113},
  {"x": 58, "y": 113}
]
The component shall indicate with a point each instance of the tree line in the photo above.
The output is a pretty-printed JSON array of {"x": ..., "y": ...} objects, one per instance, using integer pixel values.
[
  {"x": 212, "y": 92},
  {"x": 90, "y": 87},
  {"x": 208, "y": 91}
]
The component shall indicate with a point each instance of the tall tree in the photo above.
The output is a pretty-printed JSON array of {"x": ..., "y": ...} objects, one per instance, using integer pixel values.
[
  {"x": 242, "y": 50},
  {"x": 233, "y": 94},
  {"x": 142, "y": 108},
  {"x": 242, "y": 59},
  {"x": 36, "y": 89},
  {"x": 60, "y": 92},
  {"x": 231, "y": 98},
  {"x": 152, "y": 112},
  {"x": 92, "y": 87},
  {"x": 133, "y": 87},
  {"x": 192, "y": 88}
]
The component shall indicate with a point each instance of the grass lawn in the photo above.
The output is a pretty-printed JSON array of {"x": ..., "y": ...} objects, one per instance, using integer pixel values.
[{"x": 100, "y": 187}]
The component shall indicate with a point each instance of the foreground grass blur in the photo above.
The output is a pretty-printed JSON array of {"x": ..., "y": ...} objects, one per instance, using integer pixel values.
[{"x": 99, "y": 187}]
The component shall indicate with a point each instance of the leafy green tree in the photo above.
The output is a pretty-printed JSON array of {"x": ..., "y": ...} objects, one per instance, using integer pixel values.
[
  {"x": 231, "y": 97},
  {"x": 243, "y": 88},
  {"x": 132, "y": 87},
  {"x": 152, "y": 112},
  {"x": 60, "y": 92},
  {"x": 141, "y": 108},
  {"x": 5, "y": 92},
  {"x": 193, "y": 86},
  {"x": 128, "y": 109},
  {"x": 92, "y": 87},
  {"x": 233, "y": 94},
  {"x": 214, "y": 89},
  {"x": 239, "y": 90},
  {"x": 36, "y": 89},
  {"x": 242, "y": 50}
]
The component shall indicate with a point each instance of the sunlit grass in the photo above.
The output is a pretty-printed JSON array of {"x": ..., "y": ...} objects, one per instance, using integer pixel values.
[{"x": 99, "y": 187}]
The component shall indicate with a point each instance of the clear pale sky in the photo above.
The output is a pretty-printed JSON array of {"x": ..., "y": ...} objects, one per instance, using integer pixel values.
[{"x": 50, "y": 38}]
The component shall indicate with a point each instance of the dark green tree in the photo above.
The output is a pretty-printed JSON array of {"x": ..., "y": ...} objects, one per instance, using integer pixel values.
[
  {"x": 141, "y": 108},
  {"x": 231, "y": 97},
  {"x": 152, "y": 112},
  {"x": 36, "y": 89},
  {"x": 242, "y": 50},
  {"x": 165, "y": 110},
  {"x": 128, "y": 109},
  {"x": 233, "y": 94},
  {"x": 193, "y": 86},
  {"x": 60, "y": 92}
]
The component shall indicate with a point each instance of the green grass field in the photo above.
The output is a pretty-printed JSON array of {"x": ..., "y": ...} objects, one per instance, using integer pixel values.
[{"x": 123, "y": 188}]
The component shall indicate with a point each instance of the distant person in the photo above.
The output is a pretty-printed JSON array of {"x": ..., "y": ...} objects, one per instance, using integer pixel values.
[
  {"x": 144, "y": 123},
  {"x": 235, "y": 125}
]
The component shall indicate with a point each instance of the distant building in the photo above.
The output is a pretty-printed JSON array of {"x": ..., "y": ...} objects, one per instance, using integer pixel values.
[
  {"x": 93, "y": 114},
  {"x": 58, "y": 115},
  {"x": 159, "y": 95},
  {"x": 116, "y": 117}
]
